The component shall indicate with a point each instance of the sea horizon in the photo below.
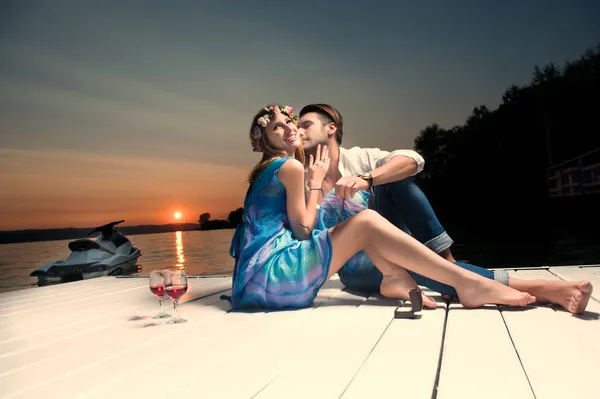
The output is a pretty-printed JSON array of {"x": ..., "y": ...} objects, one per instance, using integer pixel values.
[{"x": 65, "y": 233}]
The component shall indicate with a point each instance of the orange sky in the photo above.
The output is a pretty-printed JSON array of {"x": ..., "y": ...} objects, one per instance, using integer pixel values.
[{"x": 64, "y": 188}]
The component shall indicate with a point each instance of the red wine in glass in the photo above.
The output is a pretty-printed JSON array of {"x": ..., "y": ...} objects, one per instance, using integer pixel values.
[
  {"x": 176, "y": 291},
  {"x": 175, "y": 286},
  {"x": 157, "y": 287},
  {"x": 158, "y": 290}
]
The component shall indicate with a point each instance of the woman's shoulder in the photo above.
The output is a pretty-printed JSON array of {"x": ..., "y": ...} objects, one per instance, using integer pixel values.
[
  {"x": 292, "y": 164},
  {"x": 290, "y": 168}
]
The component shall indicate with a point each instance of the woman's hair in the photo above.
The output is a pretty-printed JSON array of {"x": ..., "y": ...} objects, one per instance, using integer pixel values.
[{"x": 260, "y": 142}]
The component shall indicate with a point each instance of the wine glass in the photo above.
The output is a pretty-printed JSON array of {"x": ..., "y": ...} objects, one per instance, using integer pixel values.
[
  {"x": 157, "y": 286},
  {"x": 175, "y": 286}
]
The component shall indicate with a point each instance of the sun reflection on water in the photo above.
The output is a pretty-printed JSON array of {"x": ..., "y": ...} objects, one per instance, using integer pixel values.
[{"x": 179, "y": 245}]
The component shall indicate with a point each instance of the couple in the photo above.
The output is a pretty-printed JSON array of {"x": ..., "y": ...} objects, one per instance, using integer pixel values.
[{"x": 284, "y": 251}]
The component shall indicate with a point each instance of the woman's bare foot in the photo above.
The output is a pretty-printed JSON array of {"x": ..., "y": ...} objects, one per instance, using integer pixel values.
[
  {"x": 449, "y": 298},
  {"x": 481, "y": 291},
  {"x": 573, "y": 296},
  {"x": 399, "y": 286}
]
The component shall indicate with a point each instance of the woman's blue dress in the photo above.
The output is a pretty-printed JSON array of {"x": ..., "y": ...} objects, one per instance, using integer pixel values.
[{"x": 273, "y": 269}]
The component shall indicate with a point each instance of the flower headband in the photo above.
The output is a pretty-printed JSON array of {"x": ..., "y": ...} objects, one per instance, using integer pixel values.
[{"x": 264, "y": 120}]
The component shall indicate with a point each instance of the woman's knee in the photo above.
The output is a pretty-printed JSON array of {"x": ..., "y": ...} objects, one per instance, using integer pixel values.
[
  {"x": 359, "y": 226},
  {"x": 365, "y": 216},
  {"x": 368, "y": 219}
]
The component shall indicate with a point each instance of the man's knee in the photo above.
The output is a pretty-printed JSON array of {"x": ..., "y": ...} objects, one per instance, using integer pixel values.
[
  {"x": 390, "y": 209},
  {"x": 393, "y": 195}
]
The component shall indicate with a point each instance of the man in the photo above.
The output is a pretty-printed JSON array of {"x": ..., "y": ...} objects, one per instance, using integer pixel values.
[
  {"x": 381, "y": 180},
  {"x": 384, "y": 182}
]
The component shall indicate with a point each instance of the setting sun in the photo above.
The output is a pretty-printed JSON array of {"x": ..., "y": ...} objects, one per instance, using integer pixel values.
[{"x": 177, "y": 215}]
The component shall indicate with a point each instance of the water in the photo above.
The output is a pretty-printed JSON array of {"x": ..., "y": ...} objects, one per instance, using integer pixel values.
[
  {"x": 207, "y": 252},
  {"x": 198, "y": 252}
]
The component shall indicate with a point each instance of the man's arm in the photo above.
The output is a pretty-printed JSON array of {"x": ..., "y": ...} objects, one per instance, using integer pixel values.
[
  {"x": 396, "y": 168},
  {"x": 384, "y": 166},
  {"x": 392, "y": 166}
]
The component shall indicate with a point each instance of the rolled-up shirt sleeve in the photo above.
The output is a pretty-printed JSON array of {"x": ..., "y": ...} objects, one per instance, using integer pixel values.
[{"x": 375, "y": 157}]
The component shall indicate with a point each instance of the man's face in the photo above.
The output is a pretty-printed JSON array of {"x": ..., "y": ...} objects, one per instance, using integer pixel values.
[{"x": 312, "y": 131}]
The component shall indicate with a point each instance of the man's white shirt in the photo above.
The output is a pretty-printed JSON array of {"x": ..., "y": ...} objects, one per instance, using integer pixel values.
[{"x": 357, "y": 160}]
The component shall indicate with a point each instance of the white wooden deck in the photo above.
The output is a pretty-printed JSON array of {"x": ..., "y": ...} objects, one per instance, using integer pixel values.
[{"x": 95, "y": 339}]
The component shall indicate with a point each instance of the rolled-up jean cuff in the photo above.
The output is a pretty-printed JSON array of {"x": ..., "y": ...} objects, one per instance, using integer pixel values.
[
  {"x": 501, "y": 276},
  {"x": 440, "y": 243}
]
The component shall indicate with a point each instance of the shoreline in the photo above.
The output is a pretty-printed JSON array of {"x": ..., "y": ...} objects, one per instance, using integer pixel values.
[{"x": 70, "y": 233}]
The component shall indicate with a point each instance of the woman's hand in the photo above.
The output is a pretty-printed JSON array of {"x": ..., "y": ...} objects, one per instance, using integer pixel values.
[{"x": 318, "y": 167}]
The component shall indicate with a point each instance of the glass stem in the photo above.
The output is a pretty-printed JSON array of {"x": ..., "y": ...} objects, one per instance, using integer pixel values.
[
  {"x": 160, "y": 301},
  {"x": 176, "y": 306}
]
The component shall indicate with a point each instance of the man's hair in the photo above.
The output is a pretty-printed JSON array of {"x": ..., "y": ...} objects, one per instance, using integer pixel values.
[{"x": 327, "y": 114}]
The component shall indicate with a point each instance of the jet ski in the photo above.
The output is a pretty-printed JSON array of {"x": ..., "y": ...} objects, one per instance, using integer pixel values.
[{"x": 111, "y": 253}]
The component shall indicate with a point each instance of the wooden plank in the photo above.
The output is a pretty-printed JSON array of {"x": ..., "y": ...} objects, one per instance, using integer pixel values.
[
  {"x": 540, "y": 267},
  {"x": 50, "y": 316},
  {"x": 106, "y": 294},
  {"x": 225, "y": 351},
  {"x": 404, "y": 362},
  {"x": 477, "y": 352},
  {"x": 146, "y": 351},
  {"x": 33, "y": 302},
  {"x": 557, "y": 361},
  {"x": 513, "y": 268},
  {"x": 574, "y": 274},
  {"x": 18, "y": 340},
  {"x": 39, "y": 295},
  {"x": 135, "y": 291},
  {"x": 100, "y": 352},
  {"x": 69, "y": 318},
  {"x": 261, "y": 360},
  {"x": 215, "y": 350},
  {"x": 593, "y": 270},
  {"x": 55, "y": 288},
  {"x": 20, "y": 350},
  {"x": 587, "y": 326}
]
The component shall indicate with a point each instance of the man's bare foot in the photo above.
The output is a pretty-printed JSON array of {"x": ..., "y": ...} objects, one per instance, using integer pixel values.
[
  {"x": 399, "y": 286},
  {"x": 573, "y": 296},
  {"x": 482, "y": 291}
]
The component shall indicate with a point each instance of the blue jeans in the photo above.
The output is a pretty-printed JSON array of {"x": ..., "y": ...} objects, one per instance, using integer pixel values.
[{"x": 406, "y": 206}]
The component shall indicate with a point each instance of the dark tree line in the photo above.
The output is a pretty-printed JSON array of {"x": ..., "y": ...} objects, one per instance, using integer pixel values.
[
  {"x": 493, "y": 168},
  {"x": 234, "y": 218}
]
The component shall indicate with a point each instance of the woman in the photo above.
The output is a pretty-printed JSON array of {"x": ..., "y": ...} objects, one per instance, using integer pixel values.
[{"x": 282, "y": 261}]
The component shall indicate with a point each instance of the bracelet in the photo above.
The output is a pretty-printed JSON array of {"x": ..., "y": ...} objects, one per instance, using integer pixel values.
[{"x": 318, "y": 189}]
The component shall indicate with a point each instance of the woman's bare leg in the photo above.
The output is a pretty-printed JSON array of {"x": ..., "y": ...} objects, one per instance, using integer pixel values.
[{"x": 370, "y": 232}]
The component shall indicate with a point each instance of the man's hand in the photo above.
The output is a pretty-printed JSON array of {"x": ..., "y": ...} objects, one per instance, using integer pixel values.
[{"x": 347, "y": 186}]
